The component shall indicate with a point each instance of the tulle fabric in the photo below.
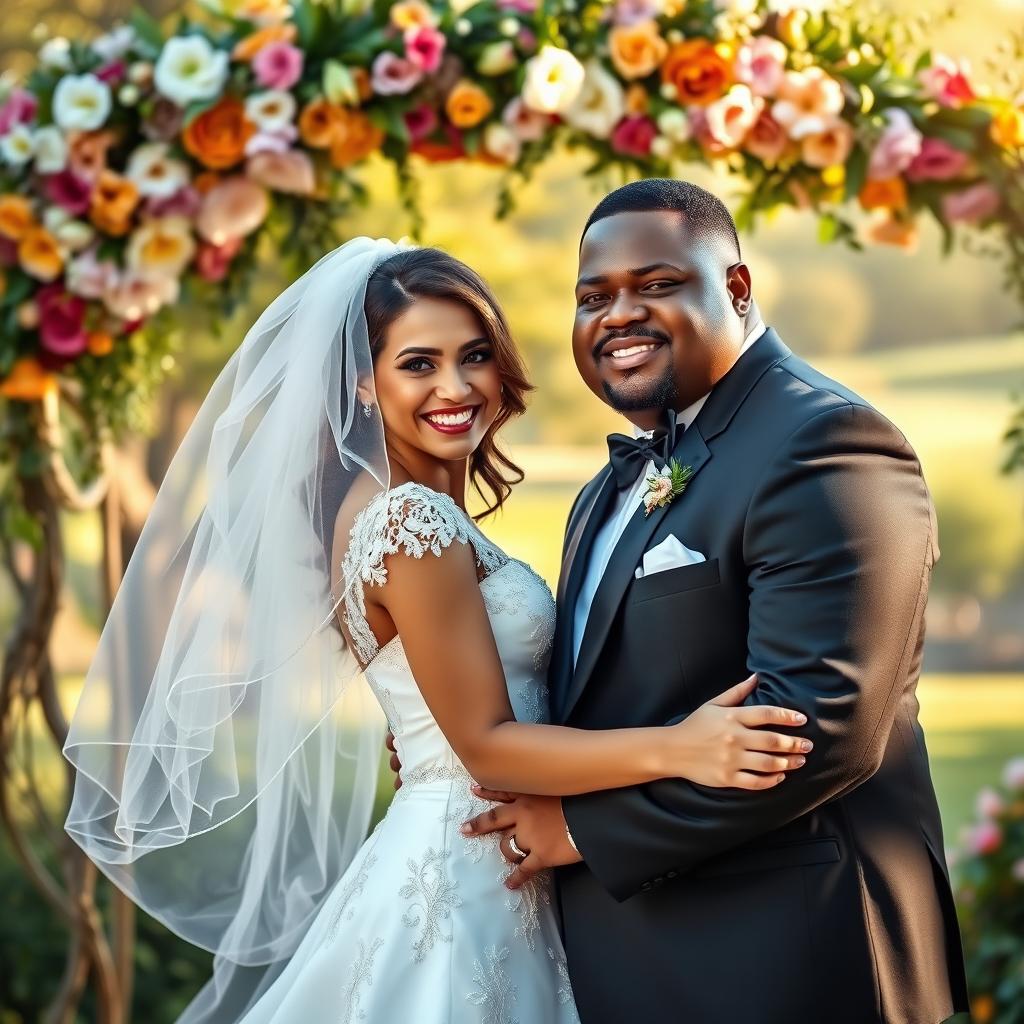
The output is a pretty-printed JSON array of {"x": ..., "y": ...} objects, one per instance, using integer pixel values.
[{"x": 225, "y": 742}]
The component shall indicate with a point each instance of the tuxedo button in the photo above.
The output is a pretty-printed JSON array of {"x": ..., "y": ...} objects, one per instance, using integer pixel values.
[
  {"x": 646, "y": 887},
  {"x": 659, "y": 880},
  {"x": 672, "y": 874}
]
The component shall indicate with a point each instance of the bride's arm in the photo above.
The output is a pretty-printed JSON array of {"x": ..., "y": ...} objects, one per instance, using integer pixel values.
[{"x": 437, "y": 608}]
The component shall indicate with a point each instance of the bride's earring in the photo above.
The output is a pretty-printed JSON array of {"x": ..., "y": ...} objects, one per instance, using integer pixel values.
[{"x": 367, "y": 409}]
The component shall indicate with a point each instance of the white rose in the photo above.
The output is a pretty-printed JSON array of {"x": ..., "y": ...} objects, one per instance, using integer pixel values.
[
  {"x": 600, "y": 104},
  {"x": 674, "y": 124},
  {"x": 81, "y": 103},
  {"x": 114, "y": 44},
  {"x": 189, "y": 68},
  {"x": 662, "y": 147},
  {"x": 17, "y": 146},
  {"x": 501, "y": 142},
  {"x": 271, "y": 111},
  {"x": 51, "y": 150},
  {"x": 154, "y": 173},
  {"x": 554, "y": 78},
  {"x": 56, "y": 54}
]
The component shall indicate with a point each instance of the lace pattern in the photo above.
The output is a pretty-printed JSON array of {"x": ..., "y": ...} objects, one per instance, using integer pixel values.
[{"x": 411, "y": 519}]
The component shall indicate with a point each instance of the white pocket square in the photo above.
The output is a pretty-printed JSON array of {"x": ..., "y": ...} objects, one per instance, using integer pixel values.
[{"x": 669, "y": 554}]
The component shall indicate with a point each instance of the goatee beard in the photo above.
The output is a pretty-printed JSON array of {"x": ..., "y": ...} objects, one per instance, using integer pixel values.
[{"x": 635, "y": 396}]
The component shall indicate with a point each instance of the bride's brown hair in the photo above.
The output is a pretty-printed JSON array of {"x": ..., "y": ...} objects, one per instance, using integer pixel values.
[{"x": 431, "y": 273}]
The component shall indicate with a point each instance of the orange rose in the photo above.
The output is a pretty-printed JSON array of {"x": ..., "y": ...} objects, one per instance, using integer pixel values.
[
  {"x": 39, "y": 255},
  {"x": 16, "y": 218},
  {"x": 699, "y": 71},
  {"x": 217, "y": 137},
  {"x": 28, "y": 382},
  {"x": 467, "y": 105},
  {"x": 113, "y": 202},
  {"x": 101, "y": 343},
  {"x": 247, "y": 48},
  {"x": 356, "y": 137},
  {"x": 637, "y": 100},
  {"x": 884, "y": 194},
  {"x": 637, "y": 50},
  {"x": 885, "y": 229},
  {"x": 319, "y": 123},
  {"x": 87, "y": 152},
  {"x": 1007, "y": 128}
]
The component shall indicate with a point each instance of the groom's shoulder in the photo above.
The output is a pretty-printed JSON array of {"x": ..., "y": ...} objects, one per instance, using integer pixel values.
[{"x": 800, "y": 394}]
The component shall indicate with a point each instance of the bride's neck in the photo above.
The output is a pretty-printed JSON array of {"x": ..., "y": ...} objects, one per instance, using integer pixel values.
[{"x": 418, "y": 467}]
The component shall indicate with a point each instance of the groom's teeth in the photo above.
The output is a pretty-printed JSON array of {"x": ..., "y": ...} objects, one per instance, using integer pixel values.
[{"x": 631, "y": 351}]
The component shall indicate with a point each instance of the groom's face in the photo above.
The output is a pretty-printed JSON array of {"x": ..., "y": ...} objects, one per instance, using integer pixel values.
[{"x": 658, "y": 319}]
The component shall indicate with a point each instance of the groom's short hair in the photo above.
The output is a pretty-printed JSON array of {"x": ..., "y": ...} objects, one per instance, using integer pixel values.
[{"x": 706, "y": 215}]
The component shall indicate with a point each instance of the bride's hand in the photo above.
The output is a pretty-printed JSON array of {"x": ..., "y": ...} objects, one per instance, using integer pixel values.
[{"x": 721, "y": 744}]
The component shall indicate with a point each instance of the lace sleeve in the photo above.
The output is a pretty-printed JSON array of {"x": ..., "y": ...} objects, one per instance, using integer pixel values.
[{"x": 412, "y": 520}]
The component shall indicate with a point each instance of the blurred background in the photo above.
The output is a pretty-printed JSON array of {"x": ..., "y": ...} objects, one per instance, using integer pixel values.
[{"x": 934, "y": 343}]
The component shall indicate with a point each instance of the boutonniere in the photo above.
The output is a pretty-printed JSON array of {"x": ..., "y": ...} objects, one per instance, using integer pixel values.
[{"x": 664, "y": 487}]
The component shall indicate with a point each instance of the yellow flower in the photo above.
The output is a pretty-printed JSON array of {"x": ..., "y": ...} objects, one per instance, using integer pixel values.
[
  {"x": 16, "y": 218},
  {"x": 40, "y": 255},
  {"x": 412, "y": 14},
  {"x": 1007, "y": 128},
  {"x": 161, "y": 246},
  {"x": 467, "y": 105},
  {"x": 28, "y": 382},
  {"x": 884, "y": 194},
  {"x": 637, "y": 50}
]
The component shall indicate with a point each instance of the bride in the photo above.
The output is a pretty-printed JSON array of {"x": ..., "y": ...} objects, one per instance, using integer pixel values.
[{"x": 312, "y": 533}]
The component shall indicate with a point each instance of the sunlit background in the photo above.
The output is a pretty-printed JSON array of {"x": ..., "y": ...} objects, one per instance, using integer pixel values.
[{"x": 930, "y": 341}]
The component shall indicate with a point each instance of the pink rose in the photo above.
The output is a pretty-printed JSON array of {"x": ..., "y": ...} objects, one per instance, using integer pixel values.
[
  {"x": 633, "y": 136},
  {"x": 971, "y": 205},
  {"x": 761, "y": 64},
  {"x": 277, "y": 141},
  {"x": 19, "y": 108},
  {"x": 183, "y": 203},
  {"x": 519, "y": 6},
  {"x": 112, "y": 73},
  {"x": 421, "y": 122},
  {"x": 730, "y": 118},
  {"x": 946, "y": 80},
  {"x": 392, "y": 75},
  {"x": 290, "y": 172},
  {"x": 989, "y": 804},
  {"x": 233, "y": 208},
  {"x": 766, "y": 140},
  {"x": 424, "y": 48},
  {"x": 278, "y": 65},
  {"x": 897, "y": 147},
  {"x": 69, "y": 191},
  {"x": 214, "y": 261},
  {"x": 937, "y": 161},
  {"x": 702, "y": 133},
  {"x": 90, "y": 277},
  {"x": 1013, "y": 774},
  {"x": 61, "y": 322},
  {"x": 529, "y": 125},
  {"x": 633, "y": 12},
  {"x": 984, "y": 838}
]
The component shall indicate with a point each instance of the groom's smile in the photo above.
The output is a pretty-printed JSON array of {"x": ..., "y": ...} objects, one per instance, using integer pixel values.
[{"x": 656, "y": 322}]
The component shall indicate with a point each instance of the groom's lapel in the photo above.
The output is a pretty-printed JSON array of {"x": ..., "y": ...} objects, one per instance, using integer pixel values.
[
  {"x": 692, "y": 450},
  {"x": 592, "y": 513}
]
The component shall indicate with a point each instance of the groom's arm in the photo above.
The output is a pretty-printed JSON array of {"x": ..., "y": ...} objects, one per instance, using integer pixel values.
[{"x": 839, "y": 542}]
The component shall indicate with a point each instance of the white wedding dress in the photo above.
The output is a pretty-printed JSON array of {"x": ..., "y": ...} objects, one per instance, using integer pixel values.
[{"x": 420, "y": 928}]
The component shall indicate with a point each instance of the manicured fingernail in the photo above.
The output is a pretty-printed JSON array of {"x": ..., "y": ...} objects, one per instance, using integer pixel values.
[
  {"x": 806, "y": 746},
  {"x": 799, "y": 718},
  {"x": 801, "y": 761},
  {"x": 466, "y": 829}
]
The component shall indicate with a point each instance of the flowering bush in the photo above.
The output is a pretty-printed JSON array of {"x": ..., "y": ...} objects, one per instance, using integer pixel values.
[
  {"x": 140, "y": 168},
  {"x": 990, "y": 896}
]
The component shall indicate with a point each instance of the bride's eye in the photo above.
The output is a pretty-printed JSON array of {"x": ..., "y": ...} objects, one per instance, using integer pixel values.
[
  {"x": 417, "y": 364},
  {"x": 483, "y": 354}
]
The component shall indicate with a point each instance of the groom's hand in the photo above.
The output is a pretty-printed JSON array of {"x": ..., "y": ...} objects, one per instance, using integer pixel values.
[{"x": 538, "y": 824}]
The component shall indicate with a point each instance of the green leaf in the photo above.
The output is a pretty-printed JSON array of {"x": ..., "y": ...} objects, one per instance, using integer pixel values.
[
  {"x": 19, "y": 525},
  {"x": 147, "y": 28},
  {"x": 308, "y": 18},
  {"x": 856, "y": 172}
]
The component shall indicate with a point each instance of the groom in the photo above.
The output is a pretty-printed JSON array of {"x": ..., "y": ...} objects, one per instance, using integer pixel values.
[{"x": 800, "y": 548}]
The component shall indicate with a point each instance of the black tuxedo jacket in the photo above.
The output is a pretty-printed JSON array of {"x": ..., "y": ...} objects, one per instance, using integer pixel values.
[{"x": 826, "y": 899}]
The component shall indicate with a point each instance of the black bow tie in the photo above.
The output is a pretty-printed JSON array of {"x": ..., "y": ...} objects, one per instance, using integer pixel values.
[{"x": 629, "y": 455}]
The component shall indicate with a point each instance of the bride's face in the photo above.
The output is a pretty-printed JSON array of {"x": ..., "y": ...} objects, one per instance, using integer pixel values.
[{"x": 437, "y": 383}]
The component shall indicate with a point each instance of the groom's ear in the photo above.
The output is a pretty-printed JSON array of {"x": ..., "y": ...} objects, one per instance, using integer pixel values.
[{"x": 737, "y": 281}]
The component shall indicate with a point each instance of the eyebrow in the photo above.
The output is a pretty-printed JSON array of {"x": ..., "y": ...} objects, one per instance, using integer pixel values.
[
  {"x": 417, "y": 351},
  {"x": 638, "y": 272}
]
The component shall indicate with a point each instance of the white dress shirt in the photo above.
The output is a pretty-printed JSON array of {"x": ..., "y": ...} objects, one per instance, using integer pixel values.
[{"x": 623, "y": 510}]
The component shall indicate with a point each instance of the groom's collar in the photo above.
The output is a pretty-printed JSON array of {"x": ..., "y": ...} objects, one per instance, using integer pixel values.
[{"x": 690, "y": 413}]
